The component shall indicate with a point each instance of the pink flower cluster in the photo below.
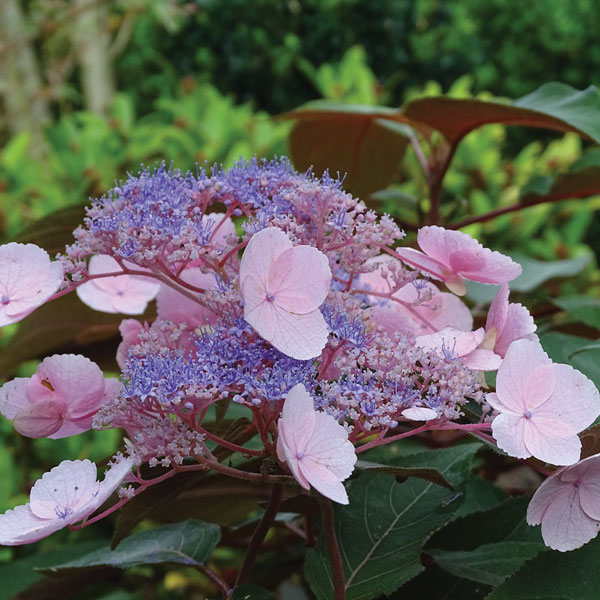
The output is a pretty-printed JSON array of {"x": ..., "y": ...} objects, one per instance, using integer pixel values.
[{"x": 298, "y": 303}]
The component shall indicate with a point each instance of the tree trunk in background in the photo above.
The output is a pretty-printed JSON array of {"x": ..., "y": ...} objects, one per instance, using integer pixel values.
[
  {"x": 20, "y": 80},
  {"x": 91, "y": 38}
]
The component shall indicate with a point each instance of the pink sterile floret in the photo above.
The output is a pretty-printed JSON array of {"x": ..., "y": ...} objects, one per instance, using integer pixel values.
[
  {"x": 65, "y": 495},
  {"x": 567, "y": 504},
  {"x": 282, "y": 287},
  {"x": 314, "y": 446},
  {"x": 465, "y": 345},
  {"x": 507, "y": 322},
  {"x": 453, "y": 256},
  {"x": 423, "y": 308},
  {"x": 59, "y": 400},
  {"x": 172, "y": 305},
  {"x": 126, "y": 294},
  {"x": 27, "y": 279},
  {"x": 542, "y": 405},
  {"x": 419, "y": 413}
]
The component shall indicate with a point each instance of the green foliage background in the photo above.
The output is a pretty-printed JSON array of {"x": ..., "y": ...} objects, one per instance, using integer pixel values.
[{"x": 199, "y": 82}]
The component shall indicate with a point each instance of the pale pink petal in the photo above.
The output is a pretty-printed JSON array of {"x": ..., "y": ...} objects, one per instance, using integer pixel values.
[
  {"x": 299, "y": 336},
  {"x": 20, "y": 526},
  {"x": 564, "y": 525},
  {"x": 589, "y": 498},
  {"x": 324, "y": 480},
  {"x": 393, "y": 318},
  {"x": 457, "y": 285},
  {"x": 69, "y": 428},
  {"x": 463, "y": 255},
  {"x": 425, "y": 263},
  {"x": 515, "y": 376},
  {"x": 482, "y": 360},
  {"x": 130, "y": 330},
  {"x": 13, "y": 397},
  {"x": 74, "y": 378},
  {"x": 542, "y": 498},
  {"x": 64, "y": 489},
  {"x": 39, "y": 419},
  {"x": 508, "y": 431},
  {"x": 172, "y": 305},
  {"x": 419, "y": 413},
  {"x": 451, "y": 342},
  {"x": 298, "y": 415},
  {"x": 575, "y": 401},
  {"x": 329, "y": 446},
  {"x": 498, "y": 311},
  {"x": 263, "y": 249},
  {"x": 519, "y": 325},
  {"x": 442, "y": 310},
  {"x": 497, "y": 404},
  {"x": 222, "y": 229},
  {"x": 113, "y": 478},
  {"x": 551, "y": 441},
  {"x": 127, "y": 294},
  {"x": 27, "y": 279},
  {"x": 299, "y": 280},
  {"x": 258, "y": 310}
]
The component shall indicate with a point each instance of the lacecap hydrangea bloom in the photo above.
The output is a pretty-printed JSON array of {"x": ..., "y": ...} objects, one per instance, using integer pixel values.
[{"x": 282, "y": 293}]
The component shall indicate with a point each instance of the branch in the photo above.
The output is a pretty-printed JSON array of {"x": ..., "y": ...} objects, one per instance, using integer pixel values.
[
  {"x": 339, "y": 584},
  {"x": 259, "y": 535},
  {"x": 514, "y": 207}
]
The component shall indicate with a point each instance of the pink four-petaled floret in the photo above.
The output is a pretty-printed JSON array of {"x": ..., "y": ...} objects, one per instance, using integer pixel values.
[
  {"x": 314, "y": 446},
  {"x": 567, "y": 505},
  {"x": 65, "y": 495},
  {"x": 59, "y": 400},
  {"x": 27, "y": 279},
  {"x": 282, "y": 287},
  {"x": 126, "y": 294},
  {"x": 542, "y": 405},
  {"x": 454, "y": 256}
]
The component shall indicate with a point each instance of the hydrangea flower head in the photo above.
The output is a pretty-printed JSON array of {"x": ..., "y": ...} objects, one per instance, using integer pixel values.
[
  {"x": 59, "y": 400},
  {"x": 314, "y": 446},
  {"x": 454, "y": 256},
  {"x": 567, "y": 505},
  {"x": 282, "y": 287},
  {"x": 27, "y": 279},
  {"x": 542, "y": 405},
  {"x": 65, "y": 495}
]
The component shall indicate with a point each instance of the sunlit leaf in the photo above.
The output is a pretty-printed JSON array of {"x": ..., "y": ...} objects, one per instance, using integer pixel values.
[{"x": 552, "y": 106}]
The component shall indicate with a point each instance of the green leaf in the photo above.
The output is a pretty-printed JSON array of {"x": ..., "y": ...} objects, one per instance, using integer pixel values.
[
  {"x": 19, "y": 575},
  {"x": 54, "y": 232},
  {"x": 403, "y": 472},
  {"x": 480, "y": 494},
  {"x": 489, "y": 563},
  {"x": 350, "y": 139},
  {"x": 573, "y": 184},
  {"x": 502, "y": 523},
  {"x": 583, "y": 309},
  {"x": 145, "y": 505},
  {"x": 552, "y": 106},
  {"x": 555, "y": 576},
  {"x": 190, "y": 543},
  {"x": 382, "y": 530},
  {"x": 563, "y": 348},
  {"x": 252, "y": 592},
  {"x": 436, "y": 584},
  {"x": 535, "y": 273}
]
